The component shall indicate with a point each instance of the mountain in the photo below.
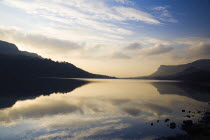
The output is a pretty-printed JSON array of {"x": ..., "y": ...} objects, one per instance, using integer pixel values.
[
  {"x": 197, "y": 70},
  {"x": 11, "y": 49},
  {"x": 16, "y": 64}
]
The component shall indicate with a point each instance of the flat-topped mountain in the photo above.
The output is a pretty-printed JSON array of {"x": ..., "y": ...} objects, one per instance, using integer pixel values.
[
  {"x": 197, "y": 70},
  {"x": 16, "y": 64}
]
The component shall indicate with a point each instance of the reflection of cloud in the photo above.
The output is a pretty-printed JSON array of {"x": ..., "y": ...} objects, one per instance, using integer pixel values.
[
  {"x": 107, "y": 129},
  {"x": 158, "y": 109},
  {"x": 37, "y": 108},
  {"x": 85, "y": 133},
  {"x": 93, "y": 112},
  {"x": 60, "y": 134},
  {"x": 56, "y": 104},
  {"x": 119, "y": 101},
  {"x": 133, "y": 111}
]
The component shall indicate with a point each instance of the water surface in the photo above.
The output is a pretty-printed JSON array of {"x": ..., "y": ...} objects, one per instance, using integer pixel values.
[{"x": 103, "y": 109}]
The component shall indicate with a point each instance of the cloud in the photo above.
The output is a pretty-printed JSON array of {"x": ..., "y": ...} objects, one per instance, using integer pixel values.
[
  {"x": 148, "y": 53},
  {"x": 125, "y": 1},
  {"x": 198, "y": 50},
  {"x": 133, "y": 14},
  {"x": 90, "y": 15},
  {"x": 119, "y": 55},
  {"x": 50, "y": 47},
  {"x": 180, "y": 49},
  {"x": 39, "y": 42},
  {"x": 158, "y": 49},
  {"x": 164, "y": 14},
  {"x": 160, "y": 8},
  {"x": 185, "y": 49},
  {"x": 85, "y": 12},
  {"x": 68, "y": 31},
  {"x": 174, "y": 51},
  {"x": 133, "y": 46}
]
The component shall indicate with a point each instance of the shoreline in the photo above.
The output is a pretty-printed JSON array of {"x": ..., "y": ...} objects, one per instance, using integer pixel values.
[{"x": 199, "y": 130}]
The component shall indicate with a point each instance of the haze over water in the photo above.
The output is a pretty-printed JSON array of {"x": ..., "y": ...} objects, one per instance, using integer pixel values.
[{"x": 105, "y": 109}]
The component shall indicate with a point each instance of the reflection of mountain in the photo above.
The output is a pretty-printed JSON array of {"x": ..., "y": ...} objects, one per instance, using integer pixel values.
[
  {"x": 11, "y": 91},
  {"x": 16, "y": 64},
  {"x": 197, "y": 70},
  {"x": 195, "y": 91}
]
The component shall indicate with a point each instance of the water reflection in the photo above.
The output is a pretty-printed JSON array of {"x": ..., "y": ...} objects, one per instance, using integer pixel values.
[
  {"x": 195, "y": 91},
  {"x": 107, "y": 109},
  {"x": 11, "y": 91}
]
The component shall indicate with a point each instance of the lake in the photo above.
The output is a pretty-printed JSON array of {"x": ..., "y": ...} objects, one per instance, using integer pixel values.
[{"x": 102, "y": 109}]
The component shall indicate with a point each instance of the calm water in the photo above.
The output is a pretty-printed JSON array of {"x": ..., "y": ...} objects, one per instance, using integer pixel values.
[{"x": 103, "y": 109}]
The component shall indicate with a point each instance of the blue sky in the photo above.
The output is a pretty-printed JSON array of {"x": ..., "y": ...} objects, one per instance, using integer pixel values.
[{"x": 113, "y": 37}]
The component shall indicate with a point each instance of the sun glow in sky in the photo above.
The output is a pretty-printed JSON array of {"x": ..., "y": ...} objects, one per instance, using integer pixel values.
[{"x": 113, "y": 37}]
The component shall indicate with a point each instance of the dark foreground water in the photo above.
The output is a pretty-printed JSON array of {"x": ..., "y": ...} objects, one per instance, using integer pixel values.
[{"x": 101, "y": 109}]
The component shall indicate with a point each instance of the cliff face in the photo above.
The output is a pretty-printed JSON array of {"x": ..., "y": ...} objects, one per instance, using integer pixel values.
[
  {"x": 197, "y": 70},
  {"x": 165, "y": 70}
]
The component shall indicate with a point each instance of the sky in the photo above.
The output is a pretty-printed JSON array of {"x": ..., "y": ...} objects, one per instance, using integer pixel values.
[{"x": 123, "y": 38}]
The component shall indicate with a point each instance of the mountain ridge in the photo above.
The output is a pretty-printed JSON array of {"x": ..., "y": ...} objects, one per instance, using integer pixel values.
[
  {"x": 16, "y": 64},
  {"x": 12, "y": 49},
  {"x": 196, "y": 70}
]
